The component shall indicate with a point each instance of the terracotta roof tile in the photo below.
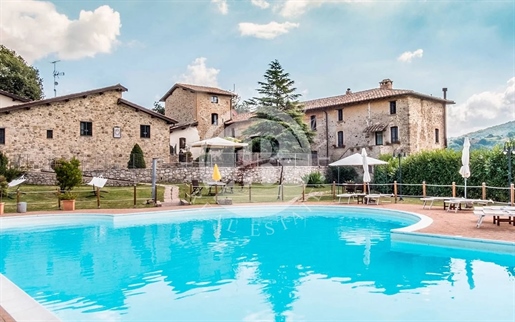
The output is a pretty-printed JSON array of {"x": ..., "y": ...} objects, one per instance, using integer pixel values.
[
  {"x": 117, "y": 87},
  {"x": 242, "y": 117},
  {"x": 14, "y": 96},
  {"x": 377, "y": 127},
  {"x": 196, "y": 88},
  {"x": 364, "y": 96}
]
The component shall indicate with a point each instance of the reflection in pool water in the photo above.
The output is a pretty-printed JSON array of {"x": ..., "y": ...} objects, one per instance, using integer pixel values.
[{"x": 289, "y": 266}]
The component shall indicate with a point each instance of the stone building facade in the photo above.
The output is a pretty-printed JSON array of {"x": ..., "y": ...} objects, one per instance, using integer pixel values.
[
  {"x": 98, "y": 127},
  {"x": 383, "y": 120}
]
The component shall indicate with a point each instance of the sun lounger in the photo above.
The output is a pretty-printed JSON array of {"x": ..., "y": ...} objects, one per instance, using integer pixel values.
[
  {"x": 16, "y": 182},
  {"x": 456, "y": 203},
  {"x": 431, "y": 200},
  {"x": 346, "y": 195},
  {"x": 496, "y": 213},
  {"x": 376, "y": 198}
]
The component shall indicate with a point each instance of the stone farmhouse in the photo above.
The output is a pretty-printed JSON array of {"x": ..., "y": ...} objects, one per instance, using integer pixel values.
[
  {"x": 98, "y": 127},
  {"x": 200, "y": 111},
  {"x": 384, "y": 120}
]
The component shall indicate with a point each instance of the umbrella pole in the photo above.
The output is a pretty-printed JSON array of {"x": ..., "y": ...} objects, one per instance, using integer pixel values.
[{"x": 465, "y": 188}]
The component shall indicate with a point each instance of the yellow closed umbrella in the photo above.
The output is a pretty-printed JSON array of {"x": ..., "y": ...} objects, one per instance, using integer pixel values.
[{"x": 216, "y": 173}]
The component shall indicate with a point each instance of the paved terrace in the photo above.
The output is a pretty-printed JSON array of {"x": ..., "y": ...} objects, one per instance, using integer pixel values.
[{"x": 462, "y": 223}]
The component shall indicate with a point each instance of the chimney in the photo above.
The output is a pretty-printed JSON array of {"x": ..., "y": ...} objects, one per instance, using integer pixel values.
[
  {"x": 348, "y": 91},
  {"x": 386, "y": 84},
  {"x": 444, "y": 90}
]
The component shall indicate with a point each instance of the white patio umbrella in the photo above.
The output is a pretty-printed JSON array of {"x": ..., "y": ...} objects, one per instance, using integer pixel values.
[
  {"x": 217, "y": 142},
  {"x": 465, "y": 159},
  {"x": 366, "y": 174},
  {"x": 356, "y": 159}
]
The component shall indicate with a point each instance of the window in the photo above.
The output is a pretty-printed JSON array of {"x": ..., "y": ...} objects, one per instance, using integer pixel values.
[
  {"x": 339, "y": 143},
  {"x": 86, "y": 129},
  {"x": 313, "y": 123},
  {"x": 214, "y": 99},
  {"x": 394, "y": 134},
  {"x": 214, "y": 119},
  {"x": 182, "y": 143},
  {"x": 233, "y": 132},
  {"x": 2, "y": 136},
  {"x": 340, "y": 115},
  {"x": 144, "y": 131},
  {"x": 49, "y": 134},
  {"x": 379, "y": 138},
  {"x": 393, "y": 107},
  {"x": 437, "y": 136}
]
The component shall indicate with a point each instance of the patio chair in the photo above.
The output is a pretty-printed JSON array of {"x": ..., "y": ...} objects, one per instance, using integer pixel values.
[
  {"x": 229, "y": 187},
  {"x": 196, "y": 188}
]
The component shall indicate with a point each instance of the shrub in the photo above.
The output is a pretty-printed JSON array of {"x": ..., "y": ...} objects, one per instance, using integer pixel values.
[
  {"x": 341, "y": 174},
  {"x": 3, "y": 187},
  {"x": 68, "y": 173},
  {"x": 8, "y": 171},
  {"x": 314, "y": 179},
  {"x": 137, "y": 159}
]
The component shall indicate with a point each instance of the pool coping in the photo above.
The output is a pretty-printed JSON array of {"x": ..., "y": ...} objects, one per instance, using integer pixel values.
[{"x": 21, "y": 307}]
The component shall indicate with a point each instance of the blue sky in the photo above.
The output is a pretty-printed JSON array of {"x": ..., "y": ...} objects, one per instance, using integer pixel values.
[{"x": 326, "y": 46}]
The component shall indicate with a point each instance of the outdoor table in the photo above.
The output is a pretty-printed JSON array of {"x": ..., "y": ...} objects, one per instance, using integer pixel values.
[{"x": 215, "y": 184}]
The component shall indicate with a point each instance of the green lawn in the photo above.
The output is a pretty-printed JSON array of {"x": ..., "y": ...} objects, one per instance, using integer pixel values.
[
  {"x": 260, "y": 193},
  {"x": 45, "y": 197}
]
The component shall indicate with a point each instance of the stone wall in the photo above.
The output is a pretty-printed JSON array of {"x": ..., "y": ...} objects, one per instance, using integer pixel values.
[
  {"x": 26, "y": 132},
  {"x": 127, "y": 177}
]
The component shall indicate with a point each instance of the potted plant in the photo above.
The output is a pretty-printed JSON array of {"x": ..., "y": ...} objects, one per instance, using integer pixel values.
[
  {"x": 67, "y": 200},
  {"x": 68, "y": 176},
  {"x": 3, "y": 191}
]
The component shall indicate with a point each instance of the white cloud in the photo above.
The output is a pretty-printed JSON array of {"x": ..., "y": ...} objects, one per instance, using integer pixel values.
[
  {"x": 268, "y": 31},
  {"x": 34, "y": 29},
  {"x": 408, "y": 56},
  {"x": 199, "y": 74},
  {"x": 293, "y": 8},
  {"x": 222, "y": 6},
  {"x": 260, "y": 3},
  {"x": 481, "y": 111}
]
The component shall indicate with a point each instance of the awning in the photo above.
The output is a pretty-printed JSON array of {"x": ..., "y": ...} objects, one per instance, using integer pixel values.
[{"x": 377, "y": 127}]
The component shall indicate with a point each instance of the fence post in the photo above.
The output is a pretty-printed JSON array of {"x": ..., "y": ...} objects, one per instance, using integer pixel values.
[
  {"x": 334, "y": 190},
  {"x": 303, "y": 192},
  {"x": 483, "y": 191},
  {"x": 282, "y": 192},
  {"x": 250, "y": 192},
  {"x": 59, "y": 198},
  {"x": 423, "y": 189},
  {"x": 395, "y": 190},
  {"x": 18, "y": 196},
  {"x": 454, "y": 189},
  {"x": 191, "y": 191},
  {"x": 512, "y": 194},
  {"x": 98, "y": 197},
  {"x": 134, "y": 196}
]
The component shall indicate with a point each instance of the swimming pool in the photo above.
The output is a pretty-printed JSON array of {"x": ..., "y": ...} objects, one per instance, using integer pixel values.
[{"x": 299, "y": 263}]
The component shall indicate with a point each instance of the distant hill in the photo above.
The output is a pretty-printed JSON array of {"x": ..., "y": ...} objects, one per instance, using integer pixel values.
[{"x": 485, "y": 138}]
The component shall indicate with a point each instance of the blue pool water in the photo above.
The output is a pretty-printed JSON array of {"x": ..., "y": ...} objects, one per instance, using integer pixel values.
[{"x": 298, "y": 264}]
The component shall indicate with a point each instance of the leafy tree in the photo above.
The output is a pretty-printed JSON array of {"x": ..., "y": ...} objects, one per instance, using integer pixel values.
[
  {"x": 68, "y": 173},
  {"x": 137, "y": 159},
  {"x": 159, "y": 108},
  {"x": 239, "y": 106},
  {"x": 279, "y": 115},
  {"x": 16, "y": 77}
]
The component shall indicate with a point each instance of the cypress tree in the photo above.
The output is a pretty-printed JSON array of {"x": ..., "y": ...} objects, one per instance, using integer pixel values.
[{"x": 137, "y": 159}]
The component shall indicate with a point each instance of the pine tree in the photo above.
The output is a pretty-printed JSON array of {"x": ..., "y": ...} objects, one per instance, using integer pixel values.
[
  {"x": 279, "y": 122},
  {"x": 137, "y": 159}
]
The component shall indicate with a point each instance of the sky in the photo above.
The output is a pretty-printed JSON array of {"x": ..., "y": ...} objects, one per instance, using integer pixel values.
[{"x": 325, "y": 46}]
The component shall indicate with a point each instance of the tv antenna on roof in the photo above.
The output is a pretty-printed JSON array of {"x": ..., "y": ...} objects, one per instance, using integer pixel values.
[{"x": 56, "y": 75}]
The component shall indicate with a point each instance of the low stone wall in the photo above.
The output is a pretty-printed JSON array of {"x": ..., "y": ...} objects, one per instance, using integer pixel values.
[{"x": 266, "y": 174}]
